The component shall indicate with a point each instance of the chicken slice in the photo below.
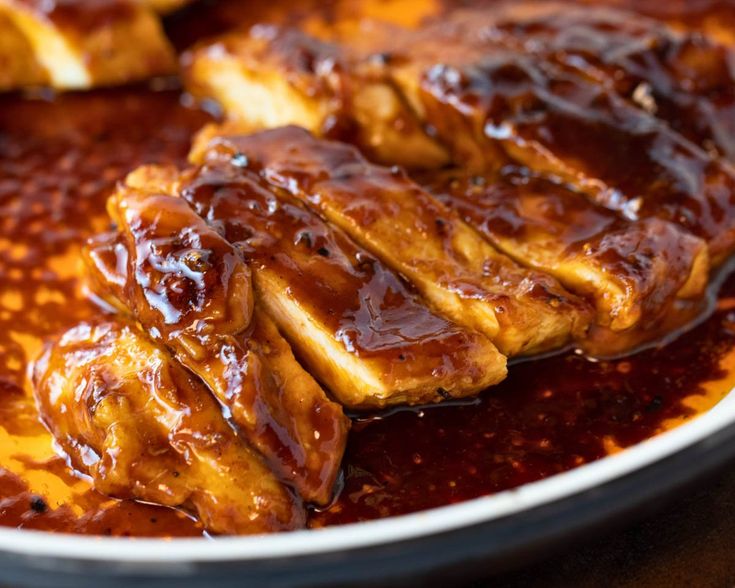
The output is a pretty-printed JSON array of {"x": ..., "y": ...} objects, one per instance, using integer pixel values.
[
  {"x": 454, "y": 268},
  {"x": 184, "y": 278},
  {"x": 636, "y": 272},
  {"x": 270, "y": 77},
  {"x": 683, "y": 79},
  {"x": 494, "y": 106},
  {"x": 190, "y": 288},
  {"x": 83, "y": 44},
  {"x": 357, "y": 327},
  {"x": 620, "y": 305},
  {"x": 142, "y": 427}
]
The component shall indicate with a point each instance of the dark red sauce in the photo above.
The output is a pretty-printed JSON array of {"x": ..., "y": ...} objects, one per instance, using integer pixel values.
[
  {"x": 549, "y": 416},
  {"x": 59, "y": 159}
]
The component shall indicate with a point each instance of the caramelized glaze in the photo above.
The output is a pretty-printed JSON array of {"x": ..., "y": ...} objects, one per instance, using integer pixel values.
[
  {"x": 191, "y": 290},
  {"x": 491, "y": 105},
  {"x": 365, "y": 309},
  {"x": 320, "y": 264},
  {"x": 59, "y": 160},
  {"x": 580, "y": 132},
  {"x": 381, "y": 208},
  {"x": 683, "y": 79},
  {"x": 143, "y": 427},
  {"x": 635, "y": 272}
]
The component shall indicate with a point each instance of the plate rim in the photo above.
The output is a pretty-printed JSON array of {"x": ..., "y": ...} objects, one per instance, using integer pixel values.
[{"x": 368, "y": 534}]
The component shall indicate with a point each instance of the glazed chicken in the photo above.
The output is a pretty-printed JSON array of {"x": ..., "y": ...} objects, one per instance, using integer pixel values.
[
  {"x": 641, "y": 275},
  {"x": 683, "y": 79},
  {"x": 493, "y": 106},
  {"x": 141, "y": 426},
  {"x": 458, "y": 272},
  {"x": 490, "y": 106},
  {"x": 273, "y": 77},
  {"x": 568, "y": 182},
  {"x": 358, "y": 327},
  {"x": 624, "y": 267},
  {"x": 617, "y": 202},
  {"x": 77, "y": 44},
  {"x": 190, "y": 288}
]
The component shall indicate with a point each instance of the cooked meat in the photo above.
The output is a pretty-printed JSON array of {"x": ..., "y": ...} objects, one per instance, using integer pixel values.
[
  {"x": 18, "y": 64},
  {"x": 634, "y": 271},
  {"x": 142, "y": 427},
  {"x": 492, "y": 106},
  {"x": 684, "y": 79},
  {"x": 457, "y": 271},
  {"x": 358, "y": 328},
  {"x": 186, "y": 280},
  {"x": 271, "y": 77},
  {"x": 190, "y": 288},
  {"x": 624, "y": 266},
  {"x": 83, "y": 44}
]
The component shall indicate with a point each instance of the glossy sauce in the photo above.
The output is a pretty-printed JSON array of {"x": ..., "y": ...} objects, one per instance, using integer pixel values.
[
  {"x": 58, "y": 161},
  {"x": 686, "y": 80},
  {"x": 625, "y": 160},
  {"x": 342, "y": 291},
  {"x": 346, "y": 289},
  {"x": 399, "y": 222},
  {"x": 490, "y": 103},
  {"x": 639, "y": 268},
  {"x": 549, "y": 416},
  {"x": 190, "y": 288}
]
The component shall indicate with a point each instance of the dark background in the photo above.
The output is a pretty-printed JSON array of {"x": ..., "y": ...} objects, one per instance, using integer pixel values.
[{"x": 687, "y": 541}]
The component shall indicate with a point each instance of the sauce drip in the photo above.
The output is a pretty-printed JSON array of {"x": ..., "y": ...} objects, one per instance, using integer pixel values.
[{"x": 60, "y": 158}]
